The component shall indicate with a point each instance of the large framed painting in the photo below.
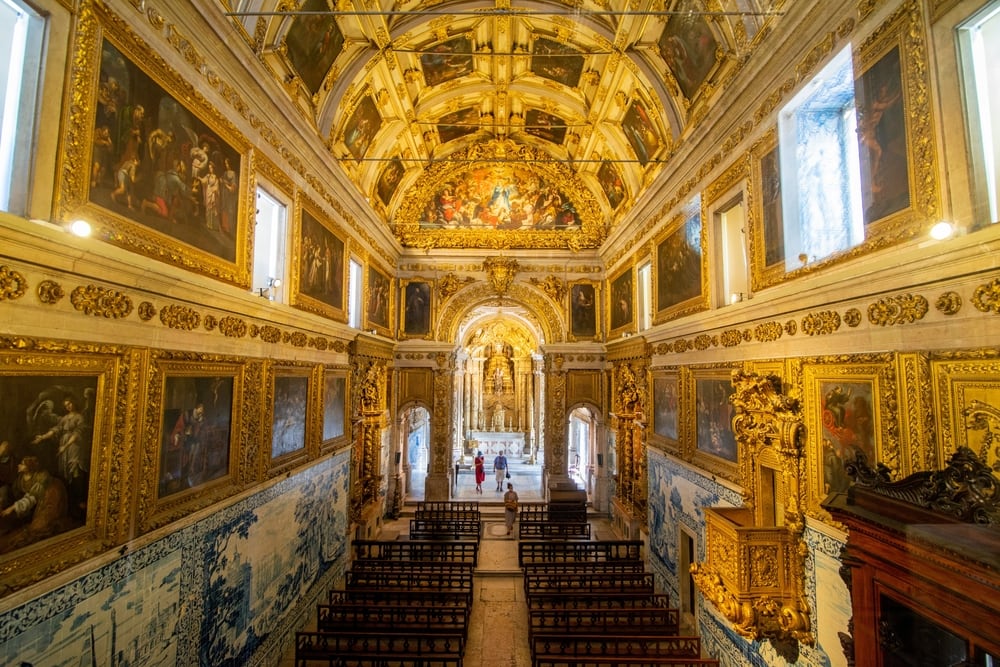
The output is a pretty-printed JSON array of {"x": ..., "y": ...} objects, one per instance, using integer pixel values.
[
  {"x": 319, "y": 269},
  {"x": 56, "y": 425},
  {"x": 689, "y": 49},
  {"x": 680, "y": 270},
  {"x": 334, "y": 407},
  {"x": 378, "y": 300},
  {"x": 362, "y": 126},
  {"x": 194, "y": 409},
  {"x": 621, "y": 302},
  {"x": 766, "y": 237},
  {"x": 850, "y": 410},
  {"x": 417, "y": 311},
  {"x": 967, "y": 410},
  {"x": 557, "y": 62},
  {"x": 667, "y": 409},
  {"x": 313, "y": 42},
  {"x": 898, "y": 184},
  {"x": 545, "y": 125},
  {"x": 166, "y": 173},
  {"x": 584, "y": 306},
  {"x": 388, "y": 180},
  {"x": 715, "y": 447},
  {"x": 612, "y": 184},
  {"x": 289, "y": 430},
  {"x": 446, "y": 61},
  {"x": 641, "y": 132}
]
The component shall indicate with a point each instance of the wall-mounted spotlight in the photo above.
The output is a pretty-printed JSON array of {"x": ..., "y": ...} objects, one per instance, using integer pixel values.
[
  {"x": 942, "y": 230},
  {"x": 79, "y": 228},
  {"x": 265, "y": 292}
]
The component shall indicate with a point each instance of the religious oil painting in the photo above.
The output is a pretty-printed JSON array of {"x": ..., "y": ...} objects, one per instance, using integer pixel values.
[
  {"x": 334, "y": 404},
  {"x": 319, "y": 270},
  {"x": 48, "y": 452},
  {"x": 679, "y": 266},
  {"x": 666, "y": 407},
  {"x": 641, "y": 132},
  {"x": 389, "y": 180},
  {"x": 313, "y": 42},
  {"x": 289, "y": 425},
  {"x": 689, "y": 48},
  {"x": 770, "y": 209},
  {"x": 583, "y": 309},
  {"x": 621, "y": 301},
  {"x": 503, "y": 197},
  {"x": 361, "y": 127},
  {"x": 612, "y": 184},
  {"x": 196, "y": 430},
  {"x": 447, "y": 61},
  {"x": 885, "y": 185},
  {"x": 714, "y": 413},
  {"x": 167, "y": 182},
  {"x": 545, "y": 126},
  {"x": 557, "y": 62},
  {"x": 417, "y": 309},
  {"x": 378, "y": 300},
  {"x": 458, "y": 124}
]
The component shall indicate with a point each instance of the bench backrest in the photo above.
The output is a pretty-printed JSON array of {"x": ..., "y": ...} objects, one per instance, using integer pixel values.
[
  {"x": 428, "y": 550},
  {"x": 608, "y": 645},
  {"x": 617, "y": 600},
  {"x": 594, "y": 582},
  {"x": 542, "y": 551}
]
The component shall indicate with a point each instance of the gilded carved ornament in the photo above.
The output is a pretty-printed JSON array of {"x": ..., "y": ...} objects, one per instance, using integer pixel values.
[
  {"x": 500, "y": 272},
  {"x": 50, "y": 292},
  {"x": 554, "y": 287},
  {"x": 101, "y": 302},
  {"x": 986, "y": 297},
  {"x": 949, "y": 303}
]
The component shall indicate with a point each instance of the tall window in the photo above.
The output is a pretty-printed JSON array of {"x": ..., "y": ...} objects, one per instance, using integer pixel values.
[
  {"x": 731, "y": 245},
  {"x": 21, "y": 39},
  {"x": 644, "y": 306},
  {"x": 979, "y": 46},
  {"x": 269, "y": 246},
  {"x": 820, "y": 167},
  {"x": 354, "y": 286}
]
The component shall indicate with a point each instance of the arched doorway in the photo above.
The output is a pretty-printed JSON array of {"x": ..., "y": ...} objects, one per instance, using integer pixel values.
[{"x": 416, "y": 432}]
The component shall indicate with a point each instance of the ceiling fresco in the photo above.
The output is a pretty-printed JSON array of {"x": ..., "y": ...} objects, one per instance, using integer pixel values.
[{"x": 487, "y": 124}]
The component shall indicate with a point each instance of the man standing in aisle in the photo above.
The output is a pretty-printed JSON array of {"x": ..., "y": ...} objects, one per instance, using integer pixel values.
[{"x": 500, "y": 468}]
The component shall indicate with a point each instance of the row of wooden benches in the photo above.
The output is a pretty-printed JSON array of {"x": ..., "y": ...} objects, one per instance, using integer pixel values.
[{"x": 592, "y": 604}]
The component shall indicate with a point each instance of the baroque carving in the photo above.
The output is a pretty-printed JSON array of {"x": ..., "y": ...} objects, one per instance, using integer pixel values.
[
  {"x": 986, "y": 298},
  {"x": 852, "y": 317},
  {"x": 50, "y": 292},
  {"x": 899, "y": 309},
  {"x": 146, "y": 311},
  {"x": 949, "y": 303},
  {"x": 101, "y": 302},
  {"x": 554, "y": 287},
  {"x": 500, "y": 272},
  {"x": 180, "y": 317},
  {"x": 821, "y": 323},
  {"x": 449, "y": 284}
]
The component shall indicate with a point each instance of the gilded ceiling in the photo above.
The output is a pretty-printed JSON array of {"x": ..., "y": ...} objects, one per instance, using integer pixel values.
[{"x": 487, "y": 124}]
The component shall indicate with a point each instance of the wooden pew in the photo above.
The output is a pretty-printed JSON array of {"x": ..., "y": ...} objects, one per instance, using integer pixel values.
[
  {"x": 583, "y": 569},
  {"x": 362, "y": 617},
  {"x": 604, "y": 621},
  {"x": 542, "y": 512},
  {"x": 379, "y": 648},
  {"x": 428, "y": 550},
  {"x": 439, "y": 505},
  {"x": 423, "y": 529},
  {"x": 549, "y": 646},
  {"x": 448, "y": 515},
  {"x": 549, "y": 530},
  {"x": 414, "y": 566},
  {"x": 402, "y": 580},
  {"x": 595, "y": 583},
  {"x": 396, "y": 597},
  {"x": 603, "y": 601},
  {"x": 621, "y": 661},
  {"x": 573, "y": 551}
]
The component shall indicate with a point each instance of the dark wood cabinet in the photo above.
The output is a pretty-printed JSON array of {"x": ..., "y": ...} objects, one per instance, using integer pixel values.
[{"x": 922, "y": 561}]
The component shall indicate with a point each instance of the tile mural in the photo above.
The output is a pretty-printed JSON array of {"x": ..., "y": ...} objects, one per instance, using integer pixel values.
[{"x": 209, "y": 594}]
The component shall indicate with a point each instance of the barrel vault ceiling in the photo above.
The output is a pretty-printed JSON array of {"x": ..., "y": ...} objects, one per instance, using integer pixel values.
[{"x": 490, "y": 124}]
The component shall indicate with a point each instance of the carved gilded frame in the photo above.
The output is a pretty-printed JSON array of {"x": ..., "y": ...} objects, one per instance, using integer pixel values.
[
  {"x": 672, "y": 247},
  {"x": 416, "y": 308},
  {"x": 577, "y": 308},
  {"x": 765, "y": 211},
  {"x": 850, "y": 405},
  {"x": 620, "y": 304},
  {"x": 669, "y": 405},
  {"x": 967, "y": 401},
  {"x": 177, "y": 383},
  {"x": 333, "y": 411},
  {"x": 285, "y": 383},
  {"x": 145, "y": 226},
  {"x": 313, "y": 227},
  {"x": 96, "y": 375},
  {"x": 379, "y": 300},
  {"x": 711, "y": 444}
]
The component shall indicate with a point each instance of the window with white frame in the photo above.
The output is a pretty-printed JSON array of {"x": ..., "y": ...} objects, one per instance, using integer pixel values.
[
  {"x": 979, "y": 45},
  {"x": 269, "y": 246},
  {"x": 22, "y": 33},
  {"x": 731, "y": 247},
  {"x": 644, "y": 296},
  {"x": 820, "y": 167},
  {"x": 354, "y": 287}
]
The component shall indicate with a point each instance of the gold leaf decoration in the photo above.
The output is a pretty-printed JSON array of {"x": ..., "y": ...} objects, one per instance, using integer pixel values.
[
  {"x": 270, "y": 334},
  {"x": 899, "y": 309},
  {"x": 731, "y": 338},
  {"x": 180, "y": 317},
  {"x": 211, "y": 321},
  {"x": 702, "y": 342},
  {"x": 949, "y": 303},
  {"x": 50, "y": 292},
  {"x": 232, "y": 327},
  {"x": 450, "y": 284},
  {"x": 767, "y": 332},
  {"x": 791, "y": 326},
  {"x": 146, "y": 310},
  {"x": 852, "y": 317},
  {"x": 821, "y": 323},
  {"x": 986, "y": 298},
  {"x": 500, "y": 272},
  {"x": 12, "y": 284},
  {"x": 554, "y": 287},
  {"x": 101, "y": 302}
]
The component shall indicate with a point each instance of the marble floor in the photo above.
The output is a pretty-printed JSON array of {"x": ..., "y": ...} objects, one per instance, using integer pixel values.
[{"x": 498, "y": 635}]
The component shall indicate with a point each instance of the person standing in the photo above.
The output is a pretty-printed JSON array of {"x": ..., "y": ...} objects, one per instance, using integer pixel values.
[
  {"x": 500, "y": 468},
  {"x": 510, "y": 507},
  {"x": 480, "y": 472}
]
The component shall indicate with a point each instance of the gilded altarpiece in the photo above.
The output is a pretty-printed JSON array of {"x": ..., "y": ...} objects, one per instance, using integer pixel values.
[
  {"x": 629, "y": 398},
  {"x": 442, "y": 430},
  {"x": 754, "y": 572},
  {"x": 555, "y": 409},
  {"x": 370, "y": 361}
]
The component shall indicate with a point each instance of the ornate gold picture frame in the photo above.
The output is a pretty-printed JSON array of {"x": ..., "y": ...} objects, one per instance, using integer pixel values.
[
  {"x": 195, "y": 438},
  {"x": 766, "y": 239},
  {"x": 416, "y": 311},
  {"x": 668, "y": 410},
  {"x": 712, "y": 443},
  {"x": 680, "y": 269},
  {"x": 56, "y": 456},
  {"x": 584, "y": 310},
  {"x": 849, "y": 407},
  {"x": 289, "y": 419},
  {"x": 334, "y": 412},
  {"x": 621, "y": 302},
  {"x": 319, "y": 262},
  {"x": 151, "y": 164},
  {"x": 967, "y": 401},
  {"x": 379, "y": 300}
]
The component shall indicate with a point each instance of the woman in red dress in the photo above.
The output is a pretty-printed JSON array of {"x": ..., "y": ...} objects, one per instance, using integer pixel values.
[{"x": 480, "y": 472}]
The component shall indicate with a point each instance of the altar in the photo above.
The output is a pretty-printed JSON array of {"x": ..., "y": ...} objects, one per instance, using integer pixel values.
[{"x": 491, "y": 443}]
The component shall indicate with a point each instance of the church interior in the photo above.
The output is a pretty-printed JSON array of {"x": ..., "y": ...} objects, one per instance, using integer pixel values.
[{"x": 271, "y": 272}]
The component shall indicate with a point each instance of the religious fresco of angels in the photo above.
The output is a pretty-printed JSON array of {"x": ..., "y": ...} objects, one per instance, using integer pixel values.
[
  {"x": 558, "y": 62},
  {"x": 313, "y": 42},
  {"x": 458, "y": 124},
  {"x": 362, "y": 127},
  {"x": 499, "y": 197},
  {"x": 689, "y": 48},
  {"x": 447, "y": 60},
  {"x": 545, "y": 126}
]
